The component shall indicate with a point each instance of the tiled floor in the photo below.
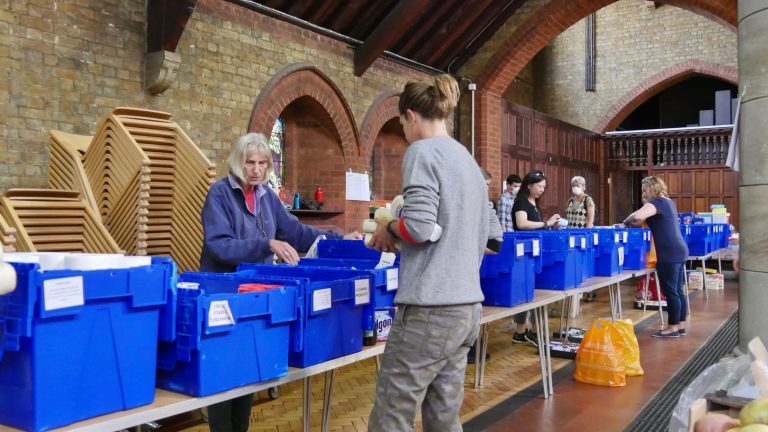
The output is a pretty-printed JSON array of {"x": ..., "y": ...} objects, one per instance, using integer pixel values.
[{"x": 575, "y": 406}]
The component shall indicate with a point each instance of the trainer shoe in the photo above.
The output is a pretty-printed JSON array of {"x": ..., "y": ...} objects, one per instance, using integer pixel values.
[
  {"x": 681, "y": 332},
  {"x": 531, "y": 338},
  {"x": 659, "y": 334},
  {"x": 519, "y": 338}
]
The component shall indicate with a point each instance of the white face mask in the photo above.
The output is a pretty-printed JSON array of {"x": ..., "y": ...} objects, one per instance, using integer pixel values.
[
  {"x": 577, "y": 190},
  {"x": 515, "y": 190}
]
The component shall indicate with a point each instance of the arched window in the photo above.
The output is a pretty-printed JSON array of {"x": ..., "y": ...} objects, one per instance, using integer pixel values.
[{"x": 277, "y": 144}]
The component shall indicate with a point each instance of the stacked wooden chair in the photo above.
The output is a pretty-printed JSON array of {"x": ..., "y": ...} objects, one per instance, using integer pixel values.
[
  {"x": 48, "y": 220},
  {"x": 7, "y": 236}
]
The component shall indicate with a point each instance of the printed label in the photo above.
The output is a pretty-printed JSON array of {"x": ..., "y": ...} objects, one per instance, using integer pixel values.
[
  {"x": 220, "y": 314},
  {"x": 520, "y": 249},
  {"x": 597, "y": 238},
  {"x": 362, "y": 291},
  {"x": 625, "y": 236},
  {"x": 63, "y": 293},
  {"x": 535, "y": 247},
  {"x": 583, "y": 242},
  {"x": 615, "y": 237},
  {"x": 321, "y": 299},
  {"x": 387, "y": 260},
  {"x": 392, "y": 279},
  {"x": 621, "y": 256},
  {"x": 571, "y": 241}
]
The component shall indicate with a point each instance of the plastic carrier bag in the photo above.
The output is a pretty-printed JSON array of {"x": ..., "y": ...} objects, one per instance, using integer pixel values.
[
  {"x": 600, "y": 359},
  {"x": 631, "y": 348}
]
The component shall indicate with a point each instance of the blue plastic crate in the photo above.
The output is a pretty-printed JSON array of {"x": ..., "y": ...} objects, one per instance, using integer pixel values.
[
  {"x": 78, "y": 344},
  {"x": 348, "y": 249},
  {"x": 700, "y": 239},
  {"x": 593, "y": 242},
  {"x": 609, "y": 254},
  {"x": 508, "y": 278},
  {"x": 579, "y": 239},
  {"x": 335, "y": 301},
  {"x": 558, "y": 259},
  {"x": 228, "y": 339},
  {"x": 637, "y": 249}
]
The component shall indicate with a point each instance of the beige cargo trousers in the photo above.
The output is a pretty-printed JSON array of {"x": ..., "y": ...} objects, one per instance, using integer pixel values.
[{"x": 424, "y": 364}]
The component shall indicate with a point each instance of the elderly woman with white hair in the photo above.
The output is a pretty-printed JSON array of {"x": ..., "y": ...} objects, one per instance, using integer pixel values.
[
  {"x": 581, "y": 209},
  {"x": 245, "y": 221}
]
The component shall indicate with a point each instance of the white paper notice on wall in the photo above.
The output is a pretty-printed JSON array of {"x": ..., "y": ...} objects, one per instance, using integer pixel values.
[
  {"x": 63, "y": 293},
  {"x": 321, "y": 299},
  {"x": 362, "y": 291},
  {"x": 520, "y": 249},
  {"x": 621, "y": 256},
  {"x": 358, "y": 187},
  {"x": 392, "y": 279},
  {"x": 220, "y": 314},
  {"x": 597, "y": 238},
  {"x": 535, "y": 247}
]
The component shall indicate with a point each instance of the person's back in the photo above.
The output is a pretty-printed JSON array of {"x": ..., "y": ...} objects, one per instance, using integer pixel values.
[
  {"x": 670, "y": 246},
  {"x": 447, "y": 271}
]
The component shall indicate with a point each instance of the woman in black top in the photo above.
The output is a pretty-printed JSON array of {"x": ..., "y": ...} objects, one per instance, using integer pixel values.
[
  {"x": 527, "y": 216},
  {"x": 671, "y": 251}
]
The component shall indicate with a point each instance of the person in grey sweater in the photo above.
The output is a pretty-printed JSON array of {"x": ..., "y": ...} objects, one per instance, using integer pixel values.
[{"x": 438, "y": 298}]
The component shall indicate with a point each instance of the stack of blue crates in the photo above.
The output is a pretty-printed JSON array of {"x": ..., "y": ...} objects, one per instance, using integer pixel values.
[
  {"x": 227, "y": 339},
  {"x": 580, "y": 239},
  {"x": 335, "y": 301},
  {"x": 558, "y": 259},
  {"x": 726, "y": 230},
  {"x": 637, "y": 248},
  {"x": 348, "y": 249},
  {"x": 385, "y": 279},
  {"x": 593, "y": 241},
  {"x": 508, "y": 278},
  {"x": 609, "y": 254},
  {"x": 78, "y": 344}
]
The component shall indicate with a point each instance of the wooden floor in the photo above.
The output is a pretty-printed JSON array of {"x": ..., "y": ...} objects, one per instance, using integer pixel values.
[{"x": 514, "y": 368}]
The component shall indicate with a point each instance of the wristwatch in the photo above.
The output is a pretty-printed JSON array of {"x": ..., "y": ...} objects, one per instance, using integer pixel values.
[{"x": 390, "y": 230}]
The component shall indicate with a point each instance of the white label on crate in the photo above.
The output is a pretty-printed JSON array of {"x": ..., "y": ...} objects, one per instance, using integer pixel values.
[
  {"x": 520, "y": 249},
  {"x": 625, "y": 236},
  {"x": 63, "y": 293},
  {"x": 321, "y": 299},
  {"x": 535, "y": 247},
  {"x": 621, "y": 255},
  {"x": 220, "y": 314},
  {"x": 387, "y": 260},
  {"x": 392, "y": 279},
  {"x": 597, "y": 239},
  {"x": 615, "y": 237},
  {"x": 571, "y": 242},
  {"x": 583, "y": 242},
  {"x": 362, "y": 291}
]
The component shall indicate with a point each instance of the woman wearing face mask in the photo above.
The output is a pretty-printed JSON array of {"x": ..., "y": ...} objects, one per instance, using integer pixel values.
[
  {"x": 581, "y": 209},
  {"x": 527, "y": 217}
]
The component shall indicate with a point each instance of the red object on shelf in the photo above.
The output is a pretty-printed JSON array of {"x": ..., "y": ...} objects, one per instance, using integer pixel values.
[
  {"x": 253, "y": 287},
  {"x": 319, "y": 195},
  {"x": 282, "y": 195}
]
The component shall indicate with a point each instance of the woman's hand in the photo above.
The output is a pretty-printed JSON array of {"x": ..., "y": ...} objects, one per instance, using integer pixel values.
[
  {"x": 554, "y": 221},
  {"x": 354, "y": 235},
  {"x": 284, "y": 251}
]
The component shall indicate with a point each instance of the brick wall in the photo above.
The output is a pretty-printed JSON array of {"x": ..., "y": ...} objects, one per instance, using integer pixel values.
[
  {"x": 635, "y": 41},
  {"x": 388, "y": 152},
  {"x": 64, "y": 65}
]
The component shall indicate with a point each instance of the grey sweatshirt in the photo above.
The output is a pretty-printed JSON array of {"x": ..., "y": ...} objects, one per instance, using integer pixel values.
[{"x": 442, "y": 184}]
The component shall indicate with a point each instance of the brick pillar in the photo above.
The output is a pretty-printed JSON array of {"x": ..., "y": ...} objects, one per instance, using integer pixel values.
[
  {"x": 488, "y": 136},
  {"x": 753, "y": 184}
]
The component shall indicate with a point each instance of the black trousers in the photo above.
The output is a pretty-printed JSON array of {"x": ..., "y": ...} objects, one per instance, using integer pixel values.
[{"x": 231, "y": 416}]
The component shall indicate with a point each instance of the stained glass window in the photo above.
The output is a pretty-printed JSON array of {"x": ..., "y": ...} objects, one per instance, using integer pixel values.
[{"x": 277, "y": 145}]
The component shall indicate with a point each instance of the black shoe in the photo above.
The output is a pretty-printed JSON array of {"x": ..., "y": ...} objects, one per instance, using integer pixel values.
[
  {"x": 590, "y": 297},
  {"x": 471, "y": 357},
  {"x": 519, "y": 338},
  {"x": 531, "y": 338}
]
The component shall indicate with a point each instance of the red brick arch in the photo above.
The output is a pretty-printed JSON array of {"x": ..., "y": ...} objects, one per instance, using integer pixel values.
[
  {"x": 383, "y": 109},
  {"x": 297, "y": 81},
  {"x": 658, "y": 82},
  {"x": 553, "y": 18}
]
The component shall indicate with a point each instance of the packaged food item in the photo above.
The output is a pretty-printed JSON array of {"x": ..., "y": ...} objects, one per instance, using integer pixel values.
[{"x": 384, "y": 317}]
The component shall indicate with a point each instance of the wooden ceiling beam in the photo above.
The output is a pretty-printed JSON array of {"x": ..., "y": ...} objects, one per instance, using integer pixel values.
[
  {"x": 452, "y": 31},
  {"x": 166, "y": 20},
  {"x": 399, "y": 20},
  {"x": 416, "y": 38}
]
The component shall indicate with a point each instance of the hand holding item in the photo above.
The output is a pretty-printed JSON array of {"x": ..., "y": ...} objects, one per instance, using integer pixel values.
[
  {"x": 354, "y": 235},
  {"x": 284, "y": 251},
  {"x": 554, "y": 221}
]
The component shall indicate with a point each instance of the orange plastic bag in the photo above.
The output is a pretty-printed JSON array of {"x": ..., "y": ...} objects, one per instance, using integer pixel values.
[
  {"x": 600, "y": 359},
  {"x": 651, "y": 253},
  {"x": 631, "y": 348}
]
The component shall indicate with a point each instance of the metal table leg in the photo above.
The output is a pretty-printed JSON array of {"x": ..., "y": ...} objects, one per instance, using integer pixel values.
[
  {"x": 479, "y": 359},
  {"x": 483, "y": 349},
  {"x": 547, "y": 352},
  {"x": 704, "y": 278},
  {"x": 685, "y": 278},
  {"x": 618, "y": 300},
  {"x": 327, "y": 398},
  {"x": 306, "y": 398},
  {"x": 658, "y": 296},
  {"x": 613, "y": 303},
  {"x": 646, "y": 285},
  {"x": 542, "y": 359}
]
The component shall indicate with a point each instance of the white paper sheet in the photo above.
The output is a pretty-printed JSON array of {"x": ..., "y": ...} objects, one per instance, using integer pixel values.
[{"x": 358, "y": 187}]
